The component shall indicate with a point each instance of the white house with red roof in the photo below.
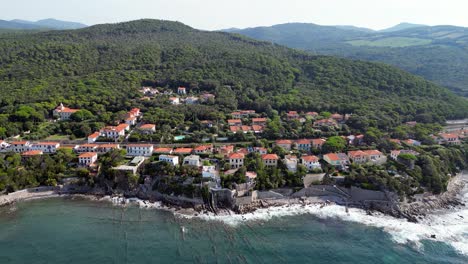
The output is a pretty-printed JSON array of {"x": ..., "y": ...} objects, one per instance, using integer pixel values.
[
  {"x": 147, "y": 128},
  {"x": 318, "y": 143},
  {"x": 304, "y": 144},
  {"x": 46, "y": 147},
  {"x": 284, "y": 143},
  {"x": 114, "y": 132},
  {"x": 174, "y": 100},
  {"x": 311, "y": 162},
  {"x": 260, "y": 150},
  {"x": 181, "y": 90},
  {"x": 87, "y": 159},
  {"x": 203, "y": 149},
  {"x": 261, "y": 121},
  {"x": 330, "y": 122},
  {"x": 104, "y": 148},
  {"x": 270, "y": 160},
  {"x": 236, "y": 160},
  {"x": 337, "y": 159},
  {"x": 20, "y": 146},
  {"x": 234, "y": 122},
  {"x": 131, "y": 120},
  {"x": 93, "y": 137},
  {"x": 448, "y": 139},
  {"x": 145, "y": 150},
  {"x": 64, "y": 113},
  {"x": 90, "y": 147}
]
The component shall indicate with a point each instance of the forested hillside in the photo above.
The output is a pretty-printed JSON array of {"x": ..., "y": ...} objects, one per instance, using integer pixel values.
[
  {"x": 100, "y": 68},
  {"x": 436, "y": 53}
]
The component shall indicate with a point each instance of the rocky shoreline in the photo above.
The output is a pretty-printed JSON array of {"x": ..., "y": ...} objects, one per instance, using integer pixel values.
[{"x": 413, "y": 212}]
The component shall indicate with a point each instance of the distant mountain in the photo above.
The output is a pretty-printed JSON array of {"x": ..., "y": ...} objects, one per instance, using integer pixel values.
[
  {"x": 355, "y": 28},
  {"x": 438, "y": 53},
  {"x": 49, "y": 23},
  {"x": 402, "y": 26},
  {"x": 16, "y": 25}
]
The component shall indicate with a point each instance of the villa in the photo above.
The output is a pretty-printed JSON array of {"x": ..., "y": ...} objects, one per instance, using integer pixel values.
[
  {"x": 311, "y": 162},
  {"x": 64, "y": 113},
  {"x": 174, "y": 160},
  {"x": 46, "y": 147},
  {"x": 236, "y": 160},
  {"x": 337, "y": 159},
  {"x": 20, "y": 146},
  {"x": 284, "y": 143},
  {"x": 86, "y": 148},
  {"x": 87, "y": 159},
  {"x": 145, "y": 150},
  {"x": 270, "y": 160},
  {"x": 192, "y": 160},
  {"x": 93, "y": 137},
  {"x": 147, "y": 128}
]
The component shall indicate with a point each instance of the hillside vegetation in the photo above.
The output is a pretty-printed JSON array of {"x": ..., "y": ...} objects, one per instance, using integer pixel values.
[
  {"x": 436, "y": 53},
  {"x": 100, "y": 68}
]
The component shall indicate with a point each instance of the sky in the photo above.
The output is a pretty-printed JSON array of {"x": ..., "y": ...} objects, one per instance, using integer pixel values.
[{"x": 221, "y": 14}]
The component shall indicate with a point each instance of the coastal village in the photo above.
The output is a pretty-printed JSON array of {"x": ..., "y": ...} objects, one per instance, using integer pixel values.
[{"x": 222, "y": 163}]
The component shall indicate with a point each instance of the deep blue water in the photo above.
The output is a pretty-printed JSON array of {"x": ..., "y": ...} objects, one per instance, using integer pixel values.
[{"x": 78, "y": 231}]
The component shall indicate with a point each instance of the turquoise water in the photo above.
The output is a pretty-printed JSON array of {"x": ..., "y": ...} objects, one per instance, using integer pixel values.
[{"x": 78, "y": 231}]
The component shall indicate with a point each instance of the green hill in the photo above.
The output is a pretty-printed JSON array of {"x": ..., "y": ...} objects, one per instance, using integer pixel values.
[
  {"x": 101, "y": 68},
  {"x": 436, "y": 53}
]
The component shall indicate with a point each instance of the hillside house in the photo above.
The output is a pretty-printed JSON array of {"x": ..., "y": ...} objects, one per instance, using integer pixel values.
[
  {"x": 87, "y": 159},
  {"x": 326, "y": 123},
  {"x": 311, "y": 162},
  {"x": 183, "y": 151},
  {"x": 145, "y": 150},
  {"x": 181, "y": 90},
  {"x": 261, "y": 121},
  {"x": 284, "y": 143},
  {"x": 46, "y": 147},
  {"x": 64, "y": 113},
  {"x": 193, "y": 160},
  {"x": 304, "y": 145},
  {"x": 90, "y": 147},
  {"x": 292, "y": 115},
  {"x": 147, "y": 129},
  {"x": 235, "y": 122},
  {"x": 93, "y": 137},
  {"x": 104, "y": 148},
  {"x": 174, "y": 100},
  {"x": 174, "y": 160},
  {"x": 337, "y": 159},
  {"x": 270, "y": 160},
  {"x": 163, "y": 151},
  {"x": 204, "y": 149},
  {"x": 448, "y": 139},
  {"x": 236, "y": 160},
  {"x": 318, "y": 143},
  {"x": 20, "y": 146}
]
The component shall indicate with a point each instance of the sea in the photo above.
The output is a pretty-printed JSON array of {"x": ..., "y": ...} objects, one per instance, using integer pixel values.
[{"x": 75, "y": 230}]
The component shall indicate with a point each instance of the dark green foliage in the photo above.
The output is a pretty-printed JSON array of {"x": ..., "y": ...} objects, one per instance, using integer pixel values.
[{"x": 100, "y": 69}]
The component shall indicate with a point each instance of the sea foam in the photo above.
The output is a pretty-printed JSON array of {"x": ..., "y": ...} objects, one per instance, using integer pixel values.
[{"x": 450, "y": 226}]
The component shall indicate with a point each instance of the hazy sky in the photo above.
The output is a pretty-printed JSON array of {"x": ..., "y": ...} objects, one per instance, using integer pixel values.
[{"x": 217, "y": 14}]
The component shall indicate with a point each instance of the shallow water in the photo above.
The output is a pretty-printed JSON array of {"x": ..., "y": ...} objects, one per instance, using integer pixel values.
[{"x": 80, "y": 231}]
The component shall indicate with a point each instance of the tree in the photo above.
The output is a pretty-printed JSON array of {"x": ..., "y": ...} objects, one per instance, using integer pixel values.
[
  {"x": 334, "y": 144},
  {"x": 81, "y": 115}
]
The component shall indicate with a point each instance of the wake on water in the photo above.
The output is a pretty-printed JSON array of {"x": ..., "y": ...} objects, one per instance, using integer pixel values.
[{"x": 450, "y": 226}]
